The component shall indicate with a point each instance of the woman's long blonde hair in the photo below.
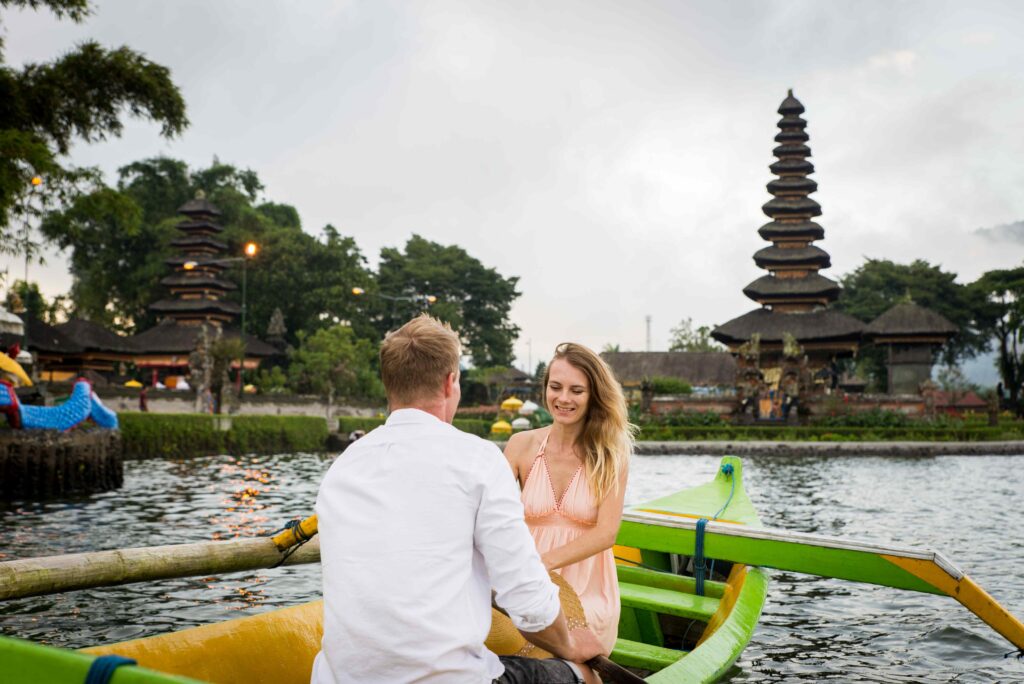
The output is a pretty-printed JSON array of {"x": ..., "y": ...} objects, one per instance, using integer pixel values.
[{"x": 606, "y": 440}]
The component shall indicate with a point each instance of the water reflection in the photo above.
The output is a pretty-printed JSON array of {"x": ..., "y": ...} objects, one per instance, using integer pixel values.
[{"x": 812, "y": 628}]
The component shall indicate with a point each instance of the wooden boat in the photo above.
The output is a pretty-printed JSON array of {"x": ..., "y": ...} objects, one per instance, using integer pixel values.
[{"x": 672, "y": 629}]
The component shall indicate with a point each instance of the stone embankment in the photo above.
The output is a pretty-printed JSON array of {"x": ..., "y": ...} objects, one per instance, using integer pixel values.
[
  {"x": 774, "y": 448},
  {"x": 44, "y": 464}
]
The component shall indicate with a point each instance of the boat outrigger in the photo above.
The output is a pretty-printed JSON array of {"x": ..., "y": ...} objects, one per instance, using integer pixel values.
[{"x": 691, "y": 578}]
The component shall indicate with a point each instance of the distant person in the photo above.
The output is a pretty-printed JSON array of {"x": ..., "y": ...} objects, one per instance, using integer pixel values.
[
  {"x": 573, "y": 478},
  {"x": 418, "y": 522},
  {"x": 143, "y": 400}
]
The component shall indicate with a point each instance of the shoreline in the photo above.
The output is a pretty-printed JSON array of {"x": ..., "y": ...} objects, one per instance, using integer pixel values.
[{"x": 781, "y": 448}]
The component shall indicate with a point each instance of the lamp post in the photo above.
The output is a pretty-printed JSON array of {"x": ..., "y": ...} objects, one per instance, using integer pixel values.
[
  {"x": 251, "y": 248},
  {"x": 423, "y": 299},
  {"x": 37, "y": 183}
]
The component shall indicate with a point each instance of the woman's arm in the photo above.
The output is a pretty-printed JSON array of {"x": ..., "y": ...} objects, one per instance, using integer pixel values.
[{"x": 597, "y": 539}]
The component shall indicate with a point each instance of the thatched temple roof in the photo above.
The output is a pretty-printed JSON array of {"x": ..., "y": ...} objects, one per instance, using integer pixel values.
[{"x": 909, "y": 319}]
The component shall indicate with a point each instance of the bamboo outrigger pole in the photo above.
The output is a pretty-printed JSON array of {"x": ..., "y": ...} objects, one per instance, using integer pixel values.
[
  {"x": 848, "y": 559},
  {"x": 54, "y": 574}
]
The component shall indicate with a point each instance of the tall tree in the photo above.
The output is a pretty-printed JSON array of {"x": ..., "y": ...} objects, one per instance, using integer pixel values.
[
  {"x": 878, "y": 284},
  {"x": 116, "y": 258},
  {"x": 685, "y": 338},
  {"x": 82, "y": 95},
  {"x": 1002, "y": 317},
  {"x": 333, "y": 362},
  {"x": 310, "y": 279},
  {"x": 26, "y": 299},
  {"x": 475, "y": 299}
]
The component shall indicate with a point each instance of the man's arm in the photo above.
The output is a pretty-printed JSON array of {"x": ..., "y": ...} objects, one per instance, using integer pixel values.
[{"x": 578, "y": 645}]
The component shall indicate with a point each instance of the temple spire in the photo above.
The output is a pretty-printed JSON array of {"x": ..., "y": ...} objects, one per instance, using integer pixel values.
[
  {"x": 196, "y": 287},
  {"x": 793, "y": 284}
]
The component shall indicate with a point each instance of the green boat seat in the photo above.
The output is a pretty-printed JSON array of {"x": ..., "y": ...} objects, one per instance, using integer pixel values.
[
  {"x": 635, "y": 654},
  {"x": 667, "y": 580},
  {"x": 667, "y": 602}
]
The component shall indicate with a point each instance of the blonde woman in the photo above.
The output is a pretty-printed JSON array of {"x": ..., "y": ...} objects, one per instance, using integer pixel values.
[{"x": 573, "y": 480}]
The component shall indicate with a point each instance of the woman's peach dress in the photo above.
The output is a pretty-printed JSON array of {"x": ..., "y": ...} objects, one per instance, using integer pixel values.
[{"x": 556, "y": 521}]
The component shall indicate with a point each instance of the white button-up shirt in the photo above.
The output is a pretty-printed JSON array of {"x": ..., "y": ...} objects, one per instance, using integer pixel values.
[{"x": 418, "y": 521}]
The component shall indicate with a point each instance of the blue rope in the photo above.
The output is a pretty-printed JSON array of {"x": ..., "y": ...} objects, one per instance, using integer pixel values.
[
  {"x": 699, "y": 566},
  {"x": 102, "y": 669},
  {"x": 728, "y": 471},
  {"x": 698, "y": 556}
]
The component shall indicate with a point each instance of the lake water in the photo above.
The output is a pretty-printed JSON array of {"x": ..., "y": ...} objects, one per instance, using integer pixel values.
[{"x": 812, "y": 628}]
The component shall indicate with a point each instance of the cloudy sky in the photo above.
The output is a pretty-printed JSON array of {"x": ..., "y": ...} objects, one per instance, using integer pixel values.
[{"x": 613, "y": 155}]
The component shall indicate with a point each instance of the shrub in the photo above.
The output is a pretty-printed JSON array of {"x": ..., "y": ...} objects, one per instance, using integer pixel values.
[
  {"x": 349, "y": 424},
  {"x": 690, "y": 418},
  {"x": 147, "y": 435},
  {"x": 664, "y": 385},
  {"x": 474, "y": 426},
  {"x": 873, "y": 418},
  {"x": 919, "y": 432}
]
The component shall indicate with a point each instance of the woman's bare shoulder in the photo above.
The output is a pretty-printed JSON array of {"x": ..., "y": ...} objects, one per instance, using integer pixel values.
[{"x": 525, "y": 444}]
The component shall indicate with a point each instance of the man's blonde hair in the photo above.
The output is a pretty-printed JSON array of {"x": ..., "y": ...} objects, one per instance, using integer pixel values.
[{"x": 416, "y": 358}]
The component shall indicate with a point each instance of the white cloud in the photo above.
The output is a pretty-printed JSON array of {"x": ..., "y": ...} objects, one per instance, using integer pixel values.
[
  {"x": 613, "y": 155},
  {"x": 902, "y": 62}
]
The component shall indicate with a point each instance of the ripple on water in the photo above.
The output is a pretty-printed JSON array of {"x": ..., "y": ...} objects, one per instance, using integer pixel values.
[{"x": 812, "y": 629}]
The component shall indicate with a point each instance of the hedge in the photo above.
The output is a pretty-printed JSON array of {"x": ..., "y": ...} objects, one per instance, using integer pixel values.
[
  {"x": 146, "y": 435},
  {"x": 921, "y": 433},
  {"x": 473, "y": 426}
]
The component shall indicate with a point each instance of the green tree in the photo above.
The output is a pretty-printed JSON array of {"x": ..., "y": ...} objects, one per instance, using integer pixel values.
[
  {"x": 538, "y": 373},
  {"x": 310, "y": 279},
  {"x": 685, "y": 338},
  {"x": 1002, "y": 318},
  {"x": 118, "y": 239},
  {"x": 475, "y": 299},
  {"x": 27, "y": 301},
  {"x": 333, "y": 362},
  {"x": 878, "y": 284},
  {"x": 116, "y": 259},
  {"x": 82, "y": 95}
]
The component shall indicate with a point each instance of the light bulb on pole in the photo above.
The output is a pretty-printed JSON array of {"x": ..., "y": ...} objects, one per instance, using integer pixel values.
[{"x": 250, "y": 250}]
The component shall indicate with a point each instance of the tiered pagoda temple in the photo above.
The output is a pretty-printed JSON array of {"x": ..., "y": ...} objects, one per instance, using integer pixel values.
[
  {"x": 197, "y": 298},
  {"x": 793, "y": 296},
  {"x": 197, "y": 290}
]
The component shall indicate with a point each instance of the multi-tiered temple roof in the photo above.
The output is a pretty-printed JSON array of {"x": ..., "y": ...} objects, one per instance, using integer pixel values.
[
  {"x": 197, "y": 295},
  {"x": 197, "y": 290},
  {"x": 793, "y": 296}
]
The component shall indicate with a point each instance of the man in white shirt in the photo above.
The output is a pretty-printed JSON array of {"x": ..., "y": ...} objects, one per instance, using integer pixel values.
[{"x": 418, "y": 523}]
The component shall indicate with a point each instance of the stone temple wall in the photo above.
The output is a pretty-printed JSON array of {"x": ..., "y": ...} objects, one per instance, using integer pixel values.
[{"x": 46, "y": 464}]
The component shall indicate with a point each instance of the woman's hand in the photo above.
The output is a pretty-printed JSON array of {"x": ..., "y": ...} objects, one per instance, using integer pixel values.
[{"x": 549, "y": 562}]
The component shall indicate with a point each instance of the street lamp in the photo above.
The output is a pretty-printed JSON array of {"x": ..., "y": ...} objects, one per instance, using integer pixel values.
[
  {"x": 427, "y": 299},
  {"x": 250, "y": 250},
  {"x": 36, "y": 182}
]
